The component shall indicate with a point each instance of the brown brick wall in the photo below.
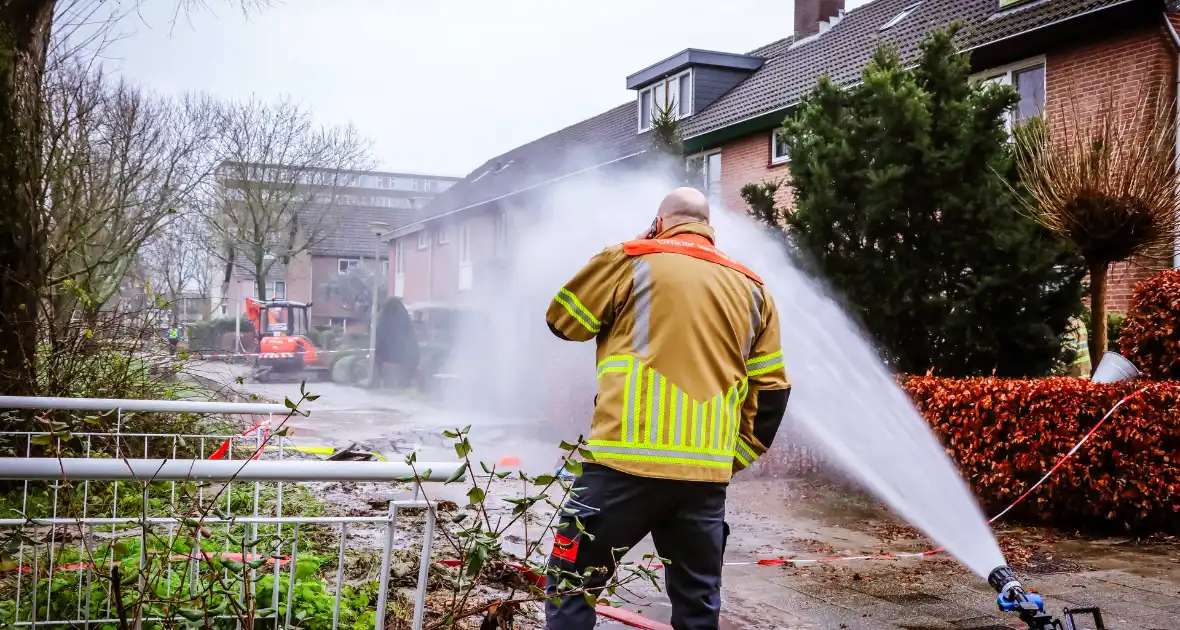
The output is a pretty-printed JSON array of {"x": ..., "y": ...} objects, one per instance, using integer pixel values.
[
  {"x": 747, "y": 160},
  {"x": 1082, "y": 78},
  {"x": 1125, "y": 68},
  {"x": 432, "y": 274}
]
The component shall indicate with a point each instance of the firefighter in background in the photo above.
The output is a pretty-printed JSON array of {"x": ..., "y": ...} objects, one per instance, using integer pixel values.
[
  {"x": 1078, "y": 343},
  {"x": 691, "y": 388},
  {"x": 173, "y": 338}
]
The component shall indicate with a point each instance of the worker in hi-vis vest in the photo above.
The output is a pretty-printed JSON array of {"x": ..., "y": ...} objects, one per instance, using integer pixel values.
[{"x": 691, "y": 388}]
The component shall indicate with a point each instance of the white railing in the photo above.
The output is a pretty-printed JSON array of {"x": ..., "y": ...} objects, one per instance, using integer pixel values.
[{"x": 63, "y": 515}]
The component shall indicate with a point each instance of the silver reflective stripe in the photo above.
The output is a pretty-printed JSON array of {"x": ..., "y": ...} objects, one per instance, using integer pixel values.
[
  {"x": 755, "y": 318},
  {"x": 774, "y": 359},
  {"x": 678, "y": 411},
  {"x": 718, "y": 418},
  {"x": 655, "y": 452},
  {"x": 746, "y": 451},
  {"x": 699, "y": 411},
  {"x": 658, "y": 400},
  {"x": 641, "y": 291}
]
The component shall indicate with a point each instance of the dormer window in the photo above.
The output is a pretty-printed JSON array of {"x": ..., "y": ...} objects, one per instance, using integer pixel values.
[{"x": 673, "y": 92}]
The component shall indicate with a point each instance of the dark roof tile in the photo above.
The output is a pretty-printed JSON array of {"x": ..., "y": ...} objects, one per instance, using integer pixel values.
[{"x": 792, "y": 68}]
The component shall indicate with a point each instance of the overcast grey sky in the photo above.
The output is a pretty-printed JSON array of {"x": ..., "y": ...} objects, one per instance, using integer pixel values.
[{"x": 440, "y": 86}]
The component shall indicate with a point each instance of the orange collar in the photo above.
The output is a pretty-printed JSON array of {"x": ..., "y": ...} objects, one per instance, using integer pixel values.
[{"x": 688, "y": 244}]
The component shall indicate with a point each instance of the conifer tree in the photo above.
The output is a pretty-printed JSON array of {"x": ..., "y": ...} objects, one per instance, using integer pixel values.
[{"x": 903, "y": 204}]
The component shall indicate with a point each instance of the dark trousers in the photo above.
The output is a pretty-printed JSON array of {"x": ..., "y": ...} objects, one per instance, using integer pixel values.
[{"x": 686, "y": 520}]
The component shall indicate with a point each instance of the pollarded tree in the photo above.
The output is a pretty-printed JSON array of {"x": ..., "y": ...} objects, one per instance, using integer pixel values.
[
  {"x": 1104, "y": 179},
  {"x": 902, "y": 204}
]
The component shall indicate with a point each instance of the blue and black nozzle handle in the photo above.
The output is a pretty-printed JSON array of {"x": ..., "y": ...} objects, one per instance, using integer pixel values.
[{"x": 1011, "y": 597}]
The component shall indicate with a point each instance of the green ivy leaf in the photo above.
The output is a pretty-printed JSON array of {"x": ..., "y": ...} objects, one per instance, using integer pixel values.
[{"x": 544, "y": 480}]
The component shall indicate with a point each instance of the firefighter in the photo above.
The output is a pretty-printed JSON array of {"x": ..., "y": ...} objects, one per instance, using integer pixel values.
[
  {"x": 1078, "y": 344},
  {"x": 691, "y": 388}
]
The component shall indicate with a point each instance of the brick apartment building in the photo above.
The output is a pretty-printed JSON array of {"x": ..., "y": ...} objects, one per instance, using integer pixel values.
[
  {"x": 347, "y": 241},
  {"x": 1052, "y": 51}
]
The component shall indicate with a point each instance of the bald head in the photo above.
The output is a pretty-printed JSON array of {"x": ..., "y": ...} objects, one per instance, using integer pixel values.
[{"x": 684, "y": 205}]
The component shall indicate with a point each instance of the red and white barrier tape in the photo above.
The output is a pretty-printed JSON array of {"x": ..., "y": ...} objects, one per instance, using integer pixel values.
[
  {"x": 889, "y": 556},
  {"x": 224, "y": 448}
]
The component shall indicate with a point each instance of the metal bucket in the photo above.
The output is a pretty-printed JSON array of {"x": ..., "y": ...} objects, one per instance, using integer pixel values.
[{"x": 1114, "y": 368}]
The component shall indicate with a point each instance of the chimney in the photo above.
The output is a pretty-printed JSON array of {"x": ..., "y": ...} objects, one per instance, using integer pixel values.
[{"x": 810, "y": 13}]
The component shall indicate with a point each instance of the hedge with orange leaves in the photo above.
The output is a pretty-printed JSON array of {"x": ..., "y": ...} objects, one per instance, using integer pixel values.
[
  {"x": 1150, "y": 336},
  {"x": 1005, "y": 434}
]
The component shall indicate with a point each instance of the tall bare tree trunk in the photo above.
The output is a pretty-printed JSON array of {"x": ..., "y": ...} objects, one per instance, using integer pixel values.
[
  {"x": 1098, "y": 272},
  {"x": 24, "y": 39}
]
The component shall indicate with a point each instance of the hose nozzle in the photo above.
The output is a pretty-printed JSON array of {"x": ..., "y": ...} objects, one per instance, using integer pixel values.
[{"x": 1011, "y": 597}]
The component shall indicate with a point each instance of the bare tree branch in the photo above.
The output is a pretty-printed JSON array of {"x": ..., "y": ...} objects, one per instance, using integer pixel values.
[{"x": 279, "y": 174}]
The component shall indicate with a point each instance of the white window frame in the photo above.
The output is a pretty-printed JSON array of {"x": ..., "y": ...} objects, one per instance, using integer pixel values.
[
  {"x": 775, "y": 158},
  {"x": 399, "y": 268},
  {"x": 1004, "y": 74},
  {"x": 464, "y": 241},
  {"x": 273, "y": 290},
  {"x": 344, "y": 265},
  {"x": 649, "y": 91},
  {"x": 713, "y": 193},
  {"x": 444, "y": 234},
  {"x": 424, "y": 239}
]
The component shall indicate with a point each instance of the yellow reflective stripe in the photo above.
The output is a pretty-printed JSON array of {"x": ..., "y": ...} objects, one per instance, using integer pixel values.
[
  {"x": 690, "y": 456},
  {"x": 741, "y": 459},
  {"x": 618, "y": 363},
  {"x": 584, "y": 318},
  {"x": 576, "y": 303},
  {"x": 744, "y": 450},
  {"x": 765, "y": 363},
  {"x": 663, "y": 459},
  {"x": 768, "y": 368},
  {"x": 764, "y": 358}
]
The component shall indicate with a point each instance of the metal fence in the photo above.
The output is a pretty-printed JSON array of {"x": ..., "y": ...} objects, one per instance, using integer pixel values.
[{"x": 193, "y": 520}]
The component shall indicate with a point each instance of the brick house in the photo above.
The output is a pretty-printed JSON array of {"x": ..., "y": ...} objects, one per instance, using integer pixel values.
[
  {"x": 347, "y": 241},
  {"x": 1052, "y": 51}
]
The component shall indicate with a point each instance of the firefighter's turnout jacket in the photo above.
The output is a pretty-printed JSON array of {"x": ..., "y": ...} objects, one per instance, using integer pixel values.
[{"x": 688, "y": 349}]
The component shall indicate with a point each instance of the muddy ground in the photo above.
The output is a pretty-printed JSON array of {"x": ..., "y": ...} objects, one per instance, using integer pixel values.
[{"x": 1136, "y": 582}]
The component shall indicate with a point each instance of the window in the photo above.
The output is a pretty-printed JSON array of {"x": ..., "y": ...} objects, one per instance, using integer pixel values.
[
  {"x": 901, "y": 16},
  {"x": 464, "y": 243},
  {"x": 1008, "y": 4},
  {"x": 674, "y": 92},
  {"x": 444, "y": 234},
  {"x": 706, "y": 168},
  {"x": 500, "y": 248},
  {"x": 344, "y": 265},
  {"x": 385, "y": 268},
  {"x": 778, "y": 147},
  {"x": 464, "y": 256},
  {"x": 423, "y": 239},
  {"x": 399, "y": 268},
  {"x": 276, "y": 290},
  {"x": 1028, "y": 77}
]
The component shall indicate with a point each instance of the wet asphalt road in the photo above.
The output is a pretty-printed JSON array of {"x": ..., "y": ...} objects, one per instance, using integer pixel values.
[{"x": 1137, "y": 585}]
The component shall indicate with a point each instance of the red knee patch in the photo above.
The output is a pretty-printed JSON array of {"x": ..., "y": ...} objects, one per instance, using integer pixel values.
[{"x": 565, "y": 548}]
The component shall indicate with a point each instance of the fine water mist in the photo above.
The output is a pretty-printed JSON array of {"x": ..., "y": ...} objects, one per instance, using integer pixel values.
[{"x": 843, "y": 396}]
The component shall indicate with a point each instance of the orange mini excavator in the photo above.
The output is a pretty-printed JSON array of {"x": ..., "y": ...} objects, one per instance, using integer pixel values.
[{"x": 284, "y": 351}]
